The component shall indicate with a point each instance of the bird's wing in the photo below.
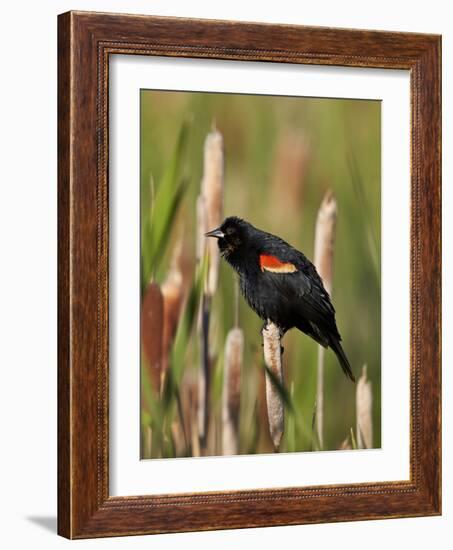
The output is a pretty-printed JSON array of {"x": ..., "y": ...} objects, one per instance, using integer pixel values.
[
  {"x": 300, "y": 284},
  {"x": 272, "y": 264},
  {"x": 281, "y": 251}
]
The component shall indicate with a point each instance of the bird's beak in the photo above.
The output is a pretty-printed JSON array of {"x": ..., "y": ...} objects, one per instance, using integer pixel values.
[{"x": 217, "y": 233}]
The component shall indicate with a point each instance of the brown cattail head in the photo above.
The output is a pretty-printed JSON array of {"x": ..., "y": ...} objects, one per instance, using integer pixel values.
[
  {"x": 212, "y": 193},
  {"x": 325, "y": 238},
  {"x": 273, "y": 359},
  {"x": 234, "y": 349},
  {"x": 364, "y": 411},
  {"x": 151, "y": 320},
  {"x": 290, "y": 165},
  {"x": 173, "y": 295}
]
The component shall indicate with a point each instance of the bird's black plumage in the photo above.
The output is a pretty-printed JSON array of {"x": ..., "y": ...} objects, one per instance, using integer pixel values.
[{"x": 280, "y": 284}]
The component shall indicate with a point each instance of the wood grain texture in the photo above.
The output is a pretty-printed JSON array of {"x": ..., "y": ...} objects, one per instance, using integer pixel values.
[
  {"x": 85, "y": 41},
  {"x": 64, "y": 371}
]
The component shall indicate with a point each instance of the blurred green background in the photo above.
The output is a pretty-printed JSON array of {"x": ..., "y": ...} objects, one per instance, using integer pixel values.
[{"x": 281, "y": 156}]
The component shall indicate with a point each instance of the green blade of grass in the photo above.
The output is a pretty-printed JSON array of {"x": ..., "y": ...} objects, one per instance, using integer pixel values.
[
  {"x": 156, "y": 228},
  {"x": 181, "y": 342}
]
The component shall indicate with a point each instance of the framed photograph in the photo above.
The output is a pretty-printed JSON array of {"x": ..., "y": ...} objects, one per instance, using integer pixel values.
[{"x": 249, "y": 275}]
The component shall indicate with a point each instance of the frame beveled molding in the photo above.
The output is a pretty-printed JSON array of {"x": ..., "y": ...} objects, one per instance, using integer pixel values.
[{"x": 86, "y": 41}]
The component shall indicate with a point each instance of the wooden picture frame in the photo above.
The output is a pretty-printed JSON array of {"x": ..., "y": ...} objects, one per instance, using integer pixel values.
[{"x": 85, "y": 42}]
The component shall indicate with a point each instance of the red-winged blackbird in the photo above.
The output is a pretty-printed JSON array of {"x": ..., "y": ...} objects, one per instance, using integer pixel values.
[{"x": 280, "y": 284}]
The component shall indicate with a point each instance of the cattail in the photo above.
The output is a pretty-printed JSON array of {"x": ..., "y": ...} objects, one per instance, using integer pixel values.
[
  {"x": 364, "y": 414},
  {"x": 202, "y": 227},
  {"x": 212, "y": 192},
  {"x": 273, "y": 360},
  {"x": 324, "y": 245},
  {"x": 234, "y": 349},
  {"x": 325, "y": 238},
  {"x": 201, "y": 242},
  {"x": 173, "y": 292},
  {"x": 209, "y": 216},
  {"x": 152, "y": 332},
  {"x": 290, "y": 165}
]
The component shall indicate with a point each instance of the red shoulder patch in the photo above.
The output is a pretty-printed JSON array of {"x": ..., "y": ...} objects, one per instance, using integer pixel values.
[{"x": 273, "y": 264}]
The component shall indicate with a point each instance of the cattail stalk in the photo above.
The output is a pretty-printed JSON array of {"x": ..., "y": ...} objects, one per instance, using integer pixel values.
[
  {"x": 209, "y": 216},
  {"x": 324, "y": 246},
  {"x": 212, "y": 193},
  {"x": 364, "y": 411},
  {"x": 151, "y": 333},
  {"x": 273, "y": 360},
  {"x": 234, "y": 349},
  {"x": 173, "y": 292},
  {"x": 202, "y": 228}
]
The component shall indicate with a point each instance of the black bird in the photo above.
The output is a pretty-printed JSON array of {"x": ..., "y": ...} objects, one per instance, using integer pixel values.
[{"x": 280, "y": 284}]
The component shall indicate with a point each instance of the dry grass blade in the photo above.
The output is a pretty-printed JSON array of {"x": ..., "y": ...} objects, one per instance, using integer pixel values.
[
  {"x": 345, "y": 445},
  {"x": 193, "y": 419},
  {"x": 324, "y": 247},
  {"x": 364, "y": 411},
  {"x": 212, "y": 192},
  {"x": 234, "y": 349},
  {"x": 178, "y": 439},
  {"x": 152, "y": 333},
  {"x": 275, "y": 403},
  {"x": 204, "y": 378}
]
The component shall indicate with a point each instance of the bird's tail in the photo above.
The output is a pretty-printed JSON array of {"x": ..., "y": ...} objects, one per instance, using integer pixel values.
[{"x": 334, "y": 343}]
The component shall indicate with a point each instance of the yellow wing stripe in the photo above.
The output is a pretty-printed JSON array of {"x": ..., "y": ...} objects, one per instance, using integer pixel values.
[{"x": 274, "y": 265}]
